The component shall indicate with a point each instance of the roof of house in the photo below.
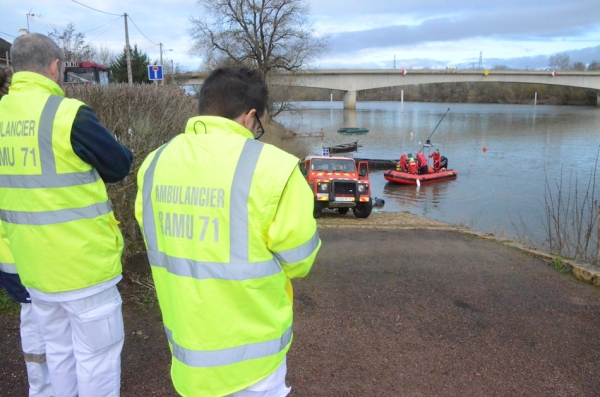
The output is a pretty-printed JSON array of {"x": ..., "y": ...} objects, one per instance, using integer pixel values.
[{"x": 4, "y": 47}]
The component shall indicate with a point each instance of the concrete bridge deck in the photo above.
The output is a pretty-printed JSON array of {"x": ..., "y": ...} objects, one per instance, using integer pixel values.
[{"x": 351, "y": 81}]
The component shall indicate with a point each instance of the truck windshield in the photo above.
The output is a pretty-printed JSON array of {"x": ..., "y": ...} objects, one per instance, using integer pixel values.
[
  {"x": 80, "y": 75},
  {"x": 331, "y": 165}
]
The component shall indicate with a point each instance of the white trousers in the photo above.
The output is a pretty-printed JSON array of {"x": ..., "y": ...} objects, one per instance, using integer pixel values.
[
  {"x": 271, "y": 386},
  {"x": 34, "y": 350},
  {"x": 84, "y": 339}
]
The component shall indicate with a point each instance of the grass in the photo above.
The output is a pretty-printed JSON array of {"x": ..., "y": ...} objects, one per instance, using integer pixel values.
[
  {"x": 559, "y": 265},
  {"x": 7, "y": 305}
]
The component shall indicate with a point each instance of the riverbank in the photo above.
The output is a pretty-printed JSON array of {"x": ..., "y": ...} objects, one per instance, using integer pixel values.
[{"x": 407, "y": 221}]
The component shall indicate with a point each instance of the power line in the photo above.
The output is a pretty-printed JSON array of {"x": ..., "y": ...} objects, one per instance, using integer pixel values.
[
  {"x": 104, "y": 31},
  {"x": 119, "y": 17},
  {"x": 8, "y": 35},
  {"x": 104, "y": 12},
  {"x": 147, "y": 48},
  {"x": 140, "y": 31}
]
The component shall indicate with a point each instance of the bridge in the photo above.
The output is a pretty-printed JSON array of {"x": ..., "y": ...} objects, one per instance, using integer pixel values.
[{"x": 351, "y": 81}]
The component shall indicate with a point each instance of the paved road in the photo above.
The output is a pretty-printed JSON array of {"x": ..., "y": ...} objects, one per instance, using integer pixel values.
[{"x": 440, "y": 313}]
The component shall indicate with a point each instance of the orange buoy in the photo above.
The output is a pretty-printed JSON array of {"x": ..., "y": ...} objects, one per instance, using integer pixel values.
[{"x": 485, "y": 149}]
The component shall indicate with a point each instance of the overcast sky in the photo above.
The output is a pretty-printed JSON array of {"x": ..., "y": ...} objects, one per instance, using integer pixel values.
[{"x": 362, "y": 34}]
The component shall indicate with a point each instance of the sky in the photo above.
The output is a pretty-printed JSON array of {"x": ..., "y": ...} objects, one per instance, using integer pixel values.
[{"x": 375, "y": 34}]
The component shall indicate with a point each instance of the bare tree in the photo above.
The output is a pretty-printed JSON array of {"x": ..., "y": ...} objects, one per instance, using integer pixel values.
[
  {"x": 73, "y": 44},
  {"x": 559, "y": 61},
  {"x": 595, "y": 65},
  {"x": 268, "y": 35},
  {"x": 103, "y": 55}
]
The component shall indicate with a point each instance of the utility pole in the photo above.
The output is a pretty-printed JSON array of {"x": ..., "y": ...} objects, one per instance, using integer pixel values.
[
  {"x": 128, "y": 53},
  {"x": 162, "y": 82},
  {"x": 480, "y": 61}
]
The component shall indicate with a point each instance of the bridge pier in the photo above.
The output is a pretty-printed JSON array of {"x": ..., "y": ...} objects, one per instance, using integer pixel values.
[
  {"x": 350, "y": 118},
  {"x": 598, "y": 99},
  {"x": 350, "y": 100}
]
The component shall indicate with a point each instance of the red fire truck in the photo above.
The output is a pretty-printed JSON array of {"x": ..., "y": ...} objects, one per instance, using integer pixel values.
[{"x": 86, "y": 73}]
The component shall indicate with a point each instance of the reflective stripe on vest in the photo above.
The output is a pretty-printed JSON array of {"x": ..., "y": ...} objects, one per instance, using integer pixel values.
[
  {"x": 215, "y": 358},
  {"x": 51, "y": 179},
  {"x": 299, "y": 253},
  {"x": 57, "y": 216},
  {"x": 9, "y": 268},
  {"x": 239, "y": 268}
]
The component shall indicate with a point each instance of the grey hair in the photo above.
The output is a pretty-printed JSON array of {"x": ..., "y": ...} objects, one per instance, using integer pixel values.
[{"x": 33, "y": 52}]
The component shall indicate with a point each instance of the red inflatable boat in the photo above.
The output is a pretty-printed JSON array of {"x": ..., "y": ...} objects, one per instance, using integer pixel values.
[{"x": 405, "y": 178}]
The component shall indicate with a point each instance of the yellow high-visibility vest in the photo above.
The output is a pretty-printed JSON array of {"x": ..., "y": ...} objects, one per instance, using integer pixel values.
[
  {"x": 53, "y": 205},
  {"x": 206, "y": 203},
  {"x": 7, "y": 262}
]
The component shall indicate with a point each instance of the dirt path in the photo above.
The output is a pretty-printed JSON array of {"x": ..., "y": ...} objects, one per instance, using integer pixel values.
[{"x": 390, "y": 310}]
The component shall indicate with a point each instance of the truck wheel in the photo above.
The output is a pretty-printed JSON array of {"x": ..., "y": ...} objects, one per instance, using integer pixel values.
[
  {"x": 363, "y": 210},
  {"x": 319, "y": 205},
  {"x": 343, "y": 210}
]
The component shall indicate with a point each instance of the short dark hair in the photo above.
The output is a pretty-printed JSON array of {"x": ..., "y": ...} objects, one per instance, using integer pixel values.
[
  {"x": 33, "y": 52},
  {"x": 230, "y": 91}
]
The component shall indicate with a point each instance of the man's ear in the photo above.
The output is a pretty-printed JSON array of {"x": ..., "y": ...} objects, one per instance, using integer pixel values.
[
  {"x": 247, "y": 119},
  {"x": 54, "y": 70}
]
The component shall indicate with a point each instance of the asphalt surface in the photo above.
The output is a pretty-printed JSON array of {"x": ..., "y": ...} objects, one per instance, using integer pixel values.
[{"x": 440, "y": 313}]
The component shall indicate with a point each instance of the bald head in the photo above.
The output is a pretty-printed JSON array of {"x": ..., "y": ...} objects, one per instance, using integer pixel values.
[{"x": 34, "y": 52}]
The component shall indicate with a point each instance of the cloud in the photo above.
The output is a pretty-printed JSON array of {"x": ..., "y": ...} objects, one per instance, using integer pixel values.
[{"x": 536, "y": 24}]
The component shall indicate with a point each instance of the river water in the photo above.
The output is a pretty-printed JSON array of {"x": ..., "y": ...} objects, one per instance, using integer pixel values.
[{"x": 496, "y": 188}]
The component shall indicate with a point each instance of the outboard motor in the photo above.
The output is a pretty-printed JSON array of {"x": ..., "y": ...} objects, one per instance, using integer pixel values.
[
  {"x": 378, "y": 203},
  {"x": 443, "y": 162}
]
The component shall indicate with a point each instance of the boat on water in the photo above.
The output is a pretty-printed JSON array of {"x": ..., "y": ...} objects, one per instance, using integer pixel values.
[
  {"x": 353, "y": 130},
  {"x": 406, "y": 178},
  {"x": 343, "y": 147}
]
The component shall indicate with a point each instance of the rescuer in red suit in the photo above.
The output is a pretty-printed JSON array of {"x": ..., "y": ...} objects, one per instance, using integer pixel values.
[
  {"x": 403, "y": 166},
  {"x": 412, "y": 166},
  {"x": 422, "y": 162},
  {"x": 436, "y": 159}
]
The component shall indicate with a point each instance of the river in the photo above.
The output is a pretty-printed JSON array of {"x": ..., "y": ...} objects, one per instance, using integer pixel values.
[{"x": 496, "y": 188}]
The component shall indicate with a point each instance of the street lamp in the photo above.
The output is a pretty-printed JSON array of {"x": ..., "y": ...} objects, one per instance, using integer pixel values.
[{"x": 172, "y": 73}]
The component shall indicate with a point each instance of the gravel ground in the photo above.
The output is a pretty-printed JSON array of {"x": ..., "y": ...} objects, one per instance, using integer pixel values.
[{"x": 397, "y": 305}]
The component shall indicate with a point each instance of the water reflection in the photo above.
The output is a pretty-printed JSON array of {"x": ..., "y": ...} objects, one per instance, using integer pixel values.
[{"x": 426, "y": 197}]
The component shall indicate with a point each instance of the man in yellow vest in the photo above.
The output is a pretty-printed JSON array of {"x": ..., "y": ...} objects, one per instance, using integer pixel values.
[
  {"x": 55, "y": 159},
  {"x": 227, "y": 222},
  {"x": 32, "y": 342}
]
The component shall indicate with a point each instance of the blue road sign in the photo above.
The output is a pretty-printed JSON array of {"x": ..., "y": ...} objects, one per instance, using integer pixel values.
[{"x": 155, "y": 72}]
